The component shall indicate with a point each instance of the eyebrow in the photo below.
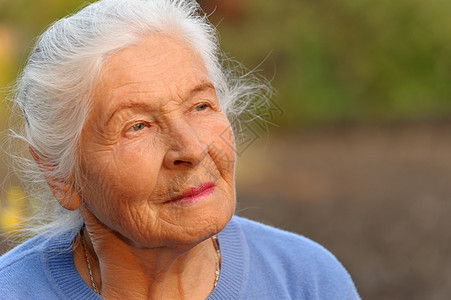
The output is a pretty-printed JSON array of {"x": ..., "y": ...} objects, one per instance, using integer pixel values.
[
  {"x": 121, "y": 108},
  {"x": 197, "y": 89},
  {"x": 201, "y": 87}
]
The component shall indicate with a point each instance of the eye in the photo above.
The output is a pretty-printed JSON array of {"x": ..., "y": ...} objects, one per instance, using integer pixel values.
[
  {"x": 138, "y": 127},
  {"x": 201, "y": 107}
]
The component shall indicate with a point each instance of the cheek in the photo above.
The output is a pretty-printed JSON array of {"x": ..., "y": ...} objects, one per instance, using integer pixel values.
[
  {"x": 123, "y": 172},
  {"x": 225, "y": 152},
  {"x": 136, "y": 170},
  {"x": 221, "y": 147}
]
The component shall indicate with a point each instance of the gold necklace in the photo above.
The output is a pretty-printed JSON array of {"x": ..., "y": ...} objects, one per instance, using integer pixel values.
[
  {"x": 94, "y": 286},
  {"x": 217, "y": 260}
]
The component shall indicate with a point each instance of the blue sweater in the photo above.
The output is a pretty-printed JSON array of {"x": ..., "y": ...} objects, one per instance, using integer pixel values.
[{"x": 257, "y": 262}]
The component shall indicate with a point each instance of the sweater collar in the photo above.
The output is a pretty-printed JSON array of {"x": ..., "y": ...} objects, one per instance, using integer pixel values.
[
  {"x": 68, "y": 283},
  {"x": 234, "y": 263},
  {"x": 62, "y": 273}
]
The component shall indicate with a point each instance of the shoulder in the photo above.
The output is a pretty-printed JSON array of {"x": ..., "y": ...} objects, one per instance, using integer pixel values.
[
  {"x": 304, "y": 266},
  {"x": 276, "y": 240},
  {"x": 29, "y": 250},
  {"x": 23, "y": 271}
]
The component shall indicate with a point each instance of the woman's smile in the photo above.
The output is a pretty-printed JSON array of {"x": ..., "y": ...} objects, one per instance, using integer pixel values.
[{"x": 194, "y": 194}]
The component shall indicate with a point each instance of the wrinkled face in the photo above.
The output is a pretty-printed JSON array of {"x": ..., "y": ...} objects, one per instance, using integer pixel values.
[{"x": 157, "y": 151}]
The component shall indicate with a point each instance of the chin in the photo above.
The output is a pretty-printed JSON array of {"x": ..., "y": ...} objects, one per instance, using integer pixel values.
[
  {"x": 207, "y": 224},
  {"x": 188, "y": 225}
]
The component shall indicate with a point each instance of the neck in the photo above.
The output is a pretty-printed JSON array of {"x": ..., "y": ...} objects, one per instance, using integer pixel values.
[{"x": 121, "y": 270}]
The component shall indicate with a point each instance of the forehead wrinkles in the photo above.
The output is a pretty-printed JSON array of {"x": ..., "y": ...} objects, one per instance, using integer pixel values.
[
  {"x": 133, "y": 76},
  {"x": 159, "y": 94},
  {"x": 144, "y": 69},
  {"x": 159, "y": 53}
]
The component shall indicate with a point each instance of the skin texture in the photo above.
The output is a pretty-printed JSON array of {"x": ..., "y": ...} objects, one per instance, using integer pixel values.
[{"x": 155, "y": 131}]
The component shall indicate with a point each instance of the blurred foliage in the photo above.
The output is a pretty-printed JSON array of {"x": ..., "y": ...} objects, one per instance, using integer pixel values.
[
  {"x": 349, "y": 60},
  {"x": 14, "y": 210},
  {"x": 20, "y": 22}
]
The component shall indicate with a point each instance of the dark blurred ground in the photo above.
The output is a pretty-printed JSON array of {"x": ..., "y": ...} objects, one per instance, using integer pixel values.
[{"x": 379, "y": 199}]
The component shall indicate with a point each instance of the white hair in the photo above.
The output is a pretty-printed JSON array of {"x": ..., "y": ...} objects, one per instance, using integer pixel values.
[{"x": 53, "y": 92}]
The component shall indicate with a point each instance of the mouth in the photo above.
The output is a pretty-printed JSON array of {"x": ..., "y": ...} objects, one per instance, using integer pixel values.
[{"x": 194, "y": 194}]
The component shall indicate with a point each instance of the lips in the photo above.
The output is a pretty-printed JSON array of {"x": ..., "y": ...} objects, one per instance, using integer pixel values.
[{"x": 195, "y": 194}]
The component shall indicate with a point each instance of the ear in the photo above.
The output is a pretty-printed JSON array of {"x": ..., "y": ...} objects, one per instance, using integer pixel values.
[{"x": 63, "y": 191}]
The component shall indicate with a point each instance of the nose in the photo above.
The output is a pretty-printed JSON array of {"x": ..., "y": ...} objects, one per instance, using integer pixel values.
[{"x": 185, "y": 148}]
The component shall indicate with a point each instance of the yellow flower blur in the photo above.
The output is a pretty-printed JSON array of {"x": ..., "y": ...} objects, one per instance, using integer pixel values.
[{"x": 13, "y": 210}]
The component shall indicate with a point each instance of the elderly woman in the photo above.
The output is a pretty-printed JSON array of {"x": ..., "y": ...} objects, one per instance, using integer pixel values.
[{"x": 126, "y": 110}]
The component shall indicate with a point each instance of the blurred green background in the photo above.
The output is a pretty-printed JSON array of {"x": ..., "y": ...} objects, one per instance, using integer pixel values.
[
  {"x": 351, "y": 60},
  {"x": 359, "y": 160}
]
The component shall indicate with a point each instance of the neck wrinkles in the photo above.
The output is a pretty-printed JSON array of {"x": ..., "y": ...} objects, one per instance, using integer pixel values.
[{"x": 121, "y": 270}]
